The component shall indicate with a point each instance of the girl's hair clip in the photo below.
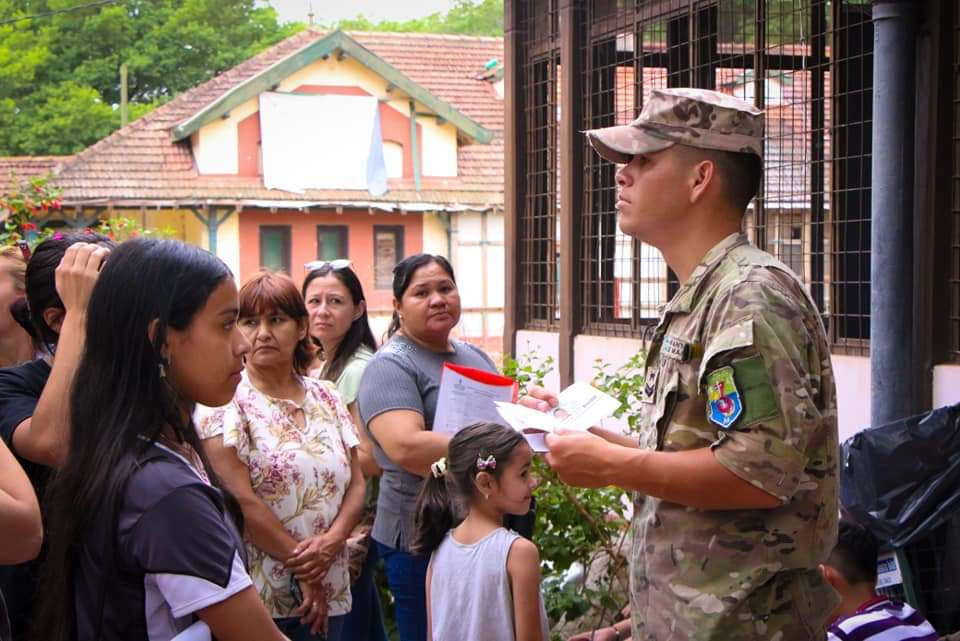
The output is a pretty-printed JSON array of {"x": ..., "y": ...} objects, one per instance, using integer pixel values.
[
  {"x": 489, "y": 463},
  {"x": 439, "y": 468}
]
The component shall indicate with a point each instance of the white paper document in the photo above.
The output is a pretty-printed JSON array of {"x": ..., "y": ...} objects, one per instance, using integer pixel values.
[
  {"x": 468, "y": 396},
  {"x": 581, "y": 406}
]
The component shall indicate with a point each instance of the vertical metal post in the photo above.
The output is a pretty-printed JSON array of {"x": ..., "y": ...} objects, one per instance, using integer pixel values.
[
  {"x": 124, "y": 113},
  {"x": 513, "y": 136},
  {"x": 414, "y": 151},
  {"x": 212, "y": 228},
  {"x": 570, "y": 155},
  {"x": 895, "y": 366}
]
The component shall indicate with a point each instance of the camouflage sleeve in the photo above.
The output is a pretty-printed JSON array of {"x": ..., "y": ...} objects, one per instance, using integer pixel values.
[{"x": 756, "y": 376}]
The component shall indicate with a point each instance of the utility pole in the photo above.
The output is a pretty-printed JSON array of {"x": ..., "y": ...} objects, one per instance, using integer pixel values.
[{"x": 124, "y": 115}]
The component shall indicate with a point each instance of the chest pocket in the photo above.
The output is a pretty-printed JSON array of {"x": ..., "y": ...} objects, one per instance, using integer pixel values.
[{"x": 660, "y": 398}]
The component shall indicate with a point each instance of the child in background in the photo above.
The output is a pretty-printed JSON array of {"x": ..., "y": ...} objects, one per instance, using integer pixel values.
[{"x": 483, "y": 582}]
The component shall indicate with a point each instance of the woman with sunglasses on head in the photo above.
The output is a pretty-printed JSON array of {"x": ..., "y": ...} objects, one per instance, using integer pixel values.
[
  {"x": 143, "y": 542},
  {"x": 398, "y": 401},
  {"x": 339, "y": 327},
  {"x": 285, "y": 446},
  {"x": 34, "y": 396}
]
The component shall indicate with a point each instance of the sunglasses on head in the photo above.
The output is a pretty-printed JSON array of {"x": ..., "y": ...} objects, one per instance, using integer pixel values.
[{"x": 340, "y": 263}]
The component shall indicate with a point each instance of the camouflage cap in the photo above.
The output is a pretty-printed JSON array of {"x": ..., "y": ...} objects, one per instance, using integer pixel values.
[{"x": 694, "y": 117}]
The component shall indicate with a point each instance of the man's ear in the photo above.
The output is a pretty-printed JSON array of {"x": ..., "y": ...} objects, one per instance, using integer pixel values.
[
  {"x": 833, "y": 577},
  {"x": 53, "y": 317},
  {"x": 703, "y": 174}
]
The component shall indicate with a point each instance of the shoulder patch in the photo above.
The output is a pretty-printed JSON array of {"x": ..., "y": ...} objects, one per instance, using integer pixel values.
[{"x": 724, "y": 406}]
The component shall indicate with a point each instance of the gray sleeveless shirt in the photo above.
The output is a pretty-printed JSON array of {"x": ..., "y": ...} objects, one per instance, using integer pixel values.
[{"x": 470, "y": 596}]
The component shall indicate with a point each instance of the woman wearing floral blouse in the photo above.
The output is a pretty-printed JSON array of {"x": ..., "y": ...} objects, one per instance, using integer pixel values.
[{"x": 286, "y": 448}]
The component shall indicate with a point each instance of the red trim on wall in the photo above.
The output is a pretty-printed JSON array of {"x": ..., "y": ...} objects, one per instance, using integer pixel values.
[
  {"x": 248, "y": 145},
  {"x": 303, "y": 234}
]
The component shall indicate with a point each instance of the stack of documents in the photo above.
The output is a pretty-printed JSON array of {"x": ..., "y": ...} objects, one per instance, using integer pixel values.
[{"x": 470, "y": 395}]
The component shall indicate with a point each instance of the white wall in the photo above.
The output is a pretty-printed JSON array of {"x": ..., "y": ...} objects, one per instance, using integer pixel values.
[
  {"x": 438, "y": 158},
  {"x": 541, "y": 344},
  {"x": 853, "y": 393},
  {"x": 477, "y": 256},
  {"x": 216, "y": 145},
  {"x": 946, "y": 385},
  {"x": 228, "y": 242},
  {"x": 615, "y": 352}
]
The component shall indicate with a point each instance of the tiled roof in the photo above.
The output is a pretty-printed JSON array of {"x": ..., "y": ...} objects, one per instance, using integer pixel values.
[
  {"x": 141, "y": 164},
  {"x": 28, "y": 166}
]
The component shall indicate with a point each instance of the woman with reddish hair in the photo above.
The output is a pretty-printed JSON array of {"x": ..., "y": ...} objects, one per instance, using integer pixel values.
[{"x": 286, "y": 447}]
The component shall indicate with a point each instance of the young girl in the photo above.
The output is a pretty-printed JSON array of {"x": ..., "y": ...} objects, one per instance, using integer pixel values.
[{"x": 483, "y": 582}]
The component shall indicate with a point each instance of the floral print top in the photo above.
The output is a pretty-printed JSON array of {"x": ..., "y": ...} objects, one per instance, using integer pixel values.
[{"x": 300, "y": 473}]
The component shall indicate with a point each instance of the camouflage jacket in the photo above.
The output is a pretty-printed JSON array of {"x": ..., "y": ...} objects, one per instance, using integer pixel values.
[{"x": 739, "y": 363}]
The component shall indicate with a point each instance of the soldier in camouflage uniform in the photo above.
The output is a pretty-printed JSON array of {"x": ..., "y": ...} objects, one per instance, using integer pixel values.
[{"x": 735, "y": 476}]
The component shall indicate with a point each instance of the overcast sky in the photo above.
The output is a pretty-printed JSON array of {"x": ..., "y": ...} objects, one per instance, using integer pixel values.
[{"x": 328, "y": 11}]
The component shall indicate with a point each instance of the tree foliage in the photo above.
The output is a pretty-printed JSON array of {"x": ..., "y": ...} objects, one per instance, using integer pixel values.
[
  {"x": 477, "y": 18},
  {"x": 59, "y": 74}
]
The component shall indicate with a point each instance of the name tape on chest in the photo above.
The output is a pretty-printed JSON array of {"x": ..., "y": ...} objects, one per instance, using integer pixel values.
[{"x": 676, "y": 349}]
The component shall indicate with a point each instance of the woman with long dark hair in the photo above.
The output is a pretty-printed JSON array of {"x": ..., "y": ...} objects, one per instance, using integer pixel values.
[
  {"x": 35, "y": 395},
  {"x": 142, "y": 541},
  {"x": 339, "y": 326},
  {"x": 398, "y": 401}
]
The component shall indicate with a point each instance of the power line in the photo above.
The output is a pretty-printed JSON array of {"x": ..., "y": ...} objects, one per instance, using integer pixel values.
[{"x": 46, "y": 14}]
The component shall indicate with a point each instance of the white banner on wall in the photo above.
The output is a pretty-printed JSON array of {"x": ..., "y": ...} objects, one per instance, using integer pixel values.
[{"x": 321, "y": 142}]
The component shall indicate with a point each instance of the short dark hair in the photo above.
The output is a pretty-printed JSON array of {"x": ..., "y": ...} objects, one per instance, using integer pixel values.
[
  {"x": 739, "y": 173},
  {"x": 269, "y": 291},
  {"x": 403, "y": 273},
  {"x": 855, "y": 555}
]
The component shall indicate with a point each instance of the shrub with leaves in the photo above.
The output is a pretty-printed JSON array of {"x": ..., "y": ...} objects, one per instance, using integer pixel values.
[
  {"x": 121, "y": 228},
  {"x": 24, "y": 208},
  {"x": 580, "y": 529}
]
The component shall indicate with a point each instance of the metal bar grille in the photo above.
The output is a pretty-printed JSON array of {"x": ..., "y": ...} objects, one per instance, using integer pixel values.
[
  {"x": 538, "y": 219},
  {"x": 809, "y": 66},
  {"x": 627, "y": 56},
  {"x": 955, "y": 189},
  {"x": 852, "y": 105}
]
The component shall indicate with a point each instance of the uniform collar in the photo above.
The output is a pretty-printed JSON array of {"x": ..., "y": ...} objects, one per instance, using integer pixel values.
[{"x": 683, "y": 300}]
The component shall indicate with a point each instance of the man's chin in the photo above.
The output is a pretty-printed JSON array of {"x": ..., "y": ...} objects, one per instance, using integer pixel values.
[{"x": 630, "y": 228}]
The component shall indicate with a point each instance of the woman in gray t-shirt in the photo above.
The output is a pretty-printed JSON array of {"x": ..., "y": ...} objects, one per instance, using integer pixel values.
[{"x": 398, "y": 399}]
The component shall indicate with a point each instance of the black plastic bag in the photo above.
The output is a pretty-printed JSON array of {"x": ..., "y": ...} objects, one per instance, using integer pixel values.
[{"x": 902, "y": 480}]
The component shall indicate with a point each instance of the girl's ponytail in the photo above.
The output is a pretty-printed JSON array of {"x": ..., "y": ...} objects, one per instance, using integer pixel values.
[{"x": 434, "y": 515}]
